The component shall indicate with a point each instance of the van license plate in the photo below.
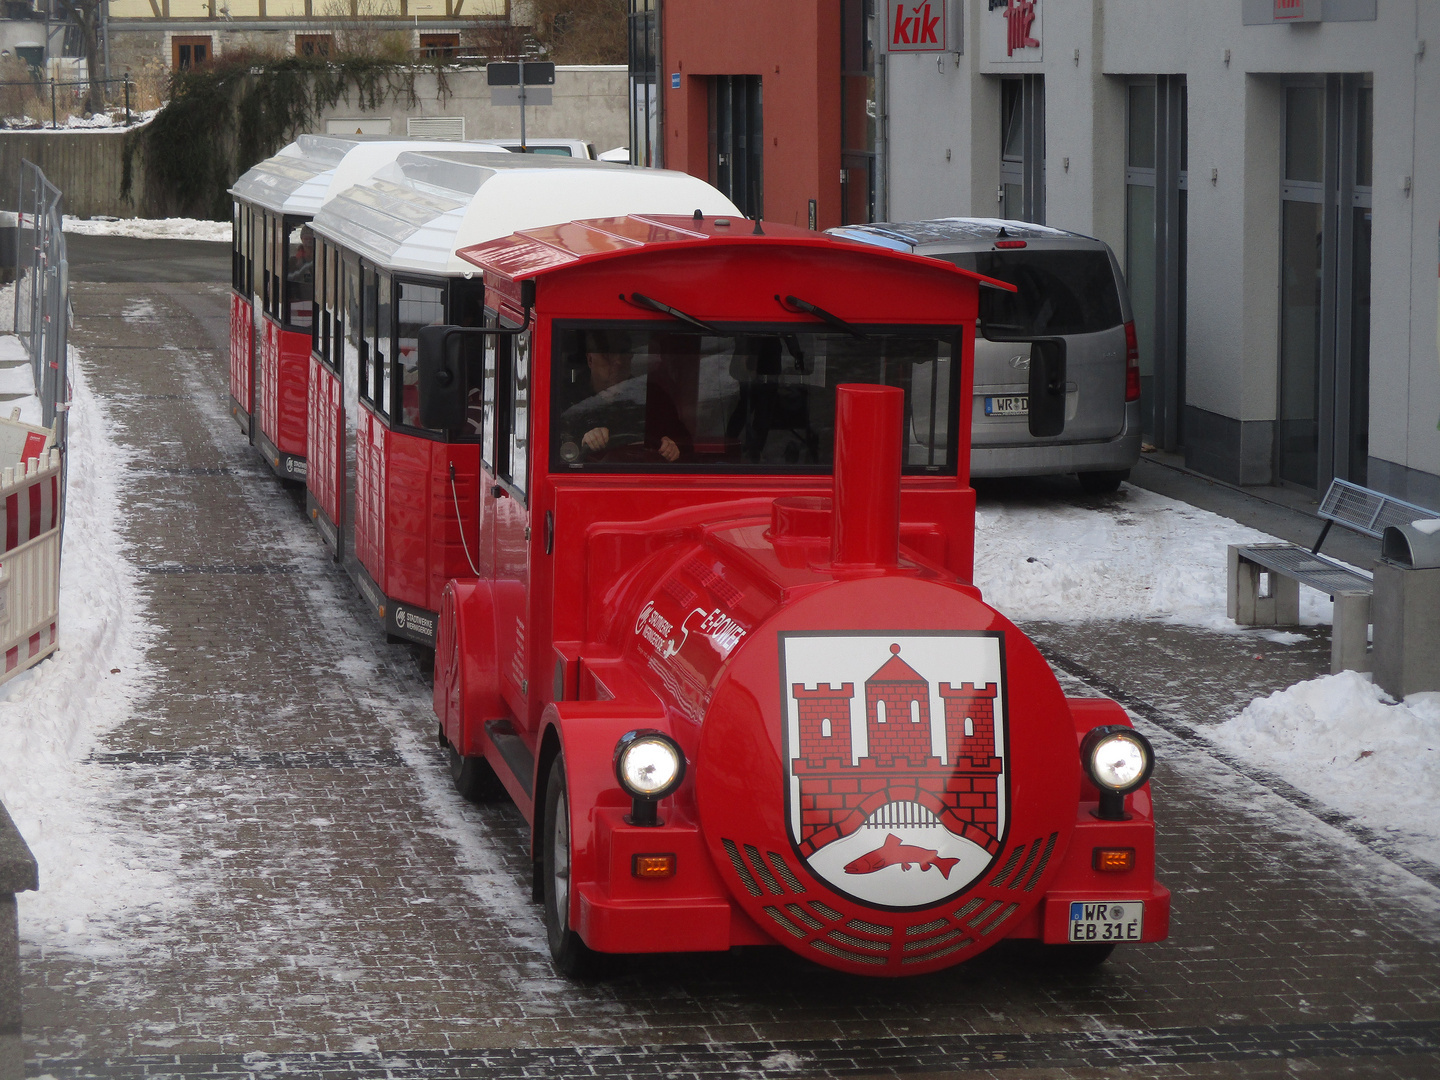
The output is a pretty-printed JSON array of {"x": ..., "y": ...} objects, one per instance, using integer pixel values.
[
  {"x": 1008, "y": 405},
  {"x": 1104, "y": 921}
]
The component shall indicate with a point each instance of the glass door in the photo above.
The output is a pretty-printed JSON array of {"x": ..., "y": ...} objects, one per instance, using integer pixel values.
[
  {"x": 737, "y": 141},
  {"x": 1022, "y": 149},
  {"x": 1322, "y": 422},
  {"x": 1156, "y": 190}
]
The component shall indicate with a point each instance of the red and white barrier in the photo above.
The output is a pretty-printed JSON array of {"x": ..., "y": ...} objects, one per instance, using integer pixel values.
[{"x": 30, "y": 513}]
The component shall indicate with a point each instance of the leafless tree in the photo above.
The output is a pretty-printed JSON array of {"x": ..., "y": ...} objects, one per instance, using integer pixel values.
[
  {"x": 86, "y": 16},
  {"x": 582, "y": 31}
]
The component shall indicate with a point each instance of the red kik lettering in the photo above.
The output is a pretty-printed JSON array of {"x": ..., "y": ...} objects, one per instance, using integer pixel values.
[
  {"x": 902, "y": 27},
  {"x": 1020, "y": 14},
  {"x": 927, "y": 27}
]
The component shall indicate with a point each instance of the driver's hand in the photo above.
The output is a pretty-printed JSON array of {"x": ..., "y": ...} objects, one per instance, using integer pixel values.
[
  {"x": 596, "y": 439},
  {"x": 668, "y": 450}
]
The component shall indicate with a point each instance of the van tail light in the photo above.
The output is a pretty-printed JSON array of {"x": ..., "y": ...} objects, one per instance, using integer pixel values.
[
  {"x": 1132, "y": 363},
  {"x": 1009, "y": 243}
]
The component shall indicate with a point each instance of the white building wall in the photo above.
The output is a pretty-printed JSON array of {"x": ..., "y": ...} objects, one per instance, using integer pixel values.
[{"x": 1235, "y": 118}]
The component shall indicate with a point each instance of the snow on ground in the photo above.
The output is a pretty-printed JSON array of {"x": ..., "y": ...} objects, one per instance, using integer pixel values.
[
  {"x": 94, "y": 875},
  {"x": 150, "y": 228},
  {"x": 1144, "y": 556},
  {"x": 1346, "y": 742}
]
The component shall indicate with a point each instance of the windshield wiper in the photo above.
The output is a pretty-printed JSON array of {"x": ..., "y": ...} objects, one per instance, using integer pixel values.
[
  {"x": 641, "y": 300},
  {"x": 796, "y": 304}
]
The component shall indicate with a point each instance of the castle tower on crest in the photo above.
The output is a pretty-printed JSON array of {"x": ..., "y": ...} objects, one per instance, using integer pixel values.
[
  {"x": 824, "y": 723},
  {"x": 897, "y": 713}
]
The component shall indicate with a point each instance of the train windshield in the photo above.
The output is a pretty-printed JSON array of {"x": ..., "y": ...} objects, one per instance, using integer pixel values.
[{"x": 758, "y": 399}]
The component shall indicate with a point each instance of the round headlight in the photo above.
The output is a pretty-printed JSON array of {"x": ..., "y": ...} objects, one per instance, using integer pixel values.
[
  {"x": 649, "y": 764},
  {"x": 1117, "y": 758}
]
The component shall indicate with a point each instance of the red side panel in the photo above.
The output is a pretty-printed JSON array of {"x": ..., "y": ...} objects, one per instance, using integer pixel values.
[
  {"x": 407, "y": 519},
  {"x": 291, "y": 391},
  {"x": 242, "y": 347},
  {"x": 424, "y": 546},
  {"x": 325, "y": 440},
  {"x": 370, "y": 476},
  {"x": 267, "y": 375}
]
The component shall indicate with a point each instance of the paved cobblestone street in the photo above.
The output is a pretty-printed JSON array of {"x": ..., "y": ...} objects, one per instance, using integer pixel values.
[{"x": 346, "y": 914}]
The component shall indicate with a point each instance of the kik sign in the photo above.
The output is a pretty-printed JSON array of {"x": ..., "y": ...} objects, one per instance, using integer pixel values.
[
  {"x": 1010, "y": 31},
  {"x": 920, "y": 26}
]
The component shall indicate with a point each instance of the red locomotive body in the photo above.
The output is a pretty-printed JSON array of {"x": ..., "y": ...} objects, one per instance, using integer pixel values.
[{"x": 724, "y": 650}]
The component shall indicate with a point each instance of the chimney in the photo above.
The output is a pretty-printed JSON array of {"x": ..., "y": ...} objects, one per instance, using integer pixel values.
[{"x": 868, "y": 424}]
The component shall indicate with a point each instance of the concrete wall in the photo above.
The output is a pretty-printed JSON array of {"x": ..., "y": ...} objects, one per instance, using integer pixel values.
[
  {"x": 1235, "y": 74},
  {"x": 84, "y": 165},
  {"x": 589, "y": 103}
]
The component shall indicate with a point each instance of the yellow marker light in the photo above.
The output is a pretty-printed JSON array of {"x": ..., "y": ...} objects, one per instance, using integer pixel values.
[
  {"x": 653, "y": 866},
  {"x": 1114, "y": 860}
]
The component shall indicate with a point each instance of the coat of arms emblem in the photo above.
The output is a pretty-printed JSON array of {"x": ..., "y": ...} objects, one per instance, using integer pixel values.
[{"x": 895, "y": 751}]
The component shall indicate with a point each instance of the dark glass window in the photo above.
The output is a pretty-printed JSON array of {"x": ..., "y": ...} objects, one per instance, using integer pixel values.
[
  {"x": 1060, "y": 292},
  {"x": 753, "y": 399},
  {"x": 297, "y": 311},
  {"x": 418, "y": 304}
]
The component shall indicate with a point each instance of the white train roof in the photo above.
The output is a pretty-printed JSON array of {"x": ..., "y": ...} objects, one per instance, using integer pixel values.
[
  {"x": 300, "y": 178},
  {"x": 414, "y": 213}
]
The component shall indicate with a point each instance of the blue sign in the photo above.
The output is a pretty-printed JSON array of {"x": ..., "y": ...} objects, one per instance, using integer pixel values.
[{"x": 675, "y": 81}]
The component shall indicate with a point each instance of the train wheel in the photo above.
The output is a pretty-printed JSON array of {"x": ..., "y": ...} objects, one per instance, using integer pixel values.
[
  {"x": 572, "y": 957},
  {"x": 474, "y": 779}
]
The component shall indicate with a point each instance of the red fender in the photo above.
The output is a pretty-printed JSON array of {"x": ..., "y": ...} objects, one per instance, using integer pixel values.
[{"x": 467, "y": 684}]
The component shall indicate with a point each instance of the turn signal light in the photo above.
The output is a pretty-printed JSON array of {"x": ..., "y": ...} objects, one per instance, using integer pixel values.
[
  {"x": 1132, "y": 363},
  {"x": 1113, "y": 860},
  {"x": 657, "y": 866}
]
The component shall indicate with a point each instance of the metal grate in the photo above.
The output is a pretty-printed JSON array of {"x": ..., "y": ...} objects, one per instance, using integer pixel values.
[
  {"x": 846, "y": 954},
  {"x": 1367, "y": 511},
  {"x": 1034, "y": 877},
  {"x": 963, "y": 943},
  {"x": 1004, "y": 871},
  {"x": 934, "y": 942},
  {"x": 1315, "y": 571},
  {"x": 784, "y": 923},
  {"x": 778, "y": 862},
  {"x": 926, "y": 928},
  {"x": 797, "y": 912},
  {"x": 746, "y": 878},
  {"x": 869, "y": 927},
  {"x": 990, "y": 926},
  {"x": 842, "y": 938},
  {"x": 771, "y": 885}
]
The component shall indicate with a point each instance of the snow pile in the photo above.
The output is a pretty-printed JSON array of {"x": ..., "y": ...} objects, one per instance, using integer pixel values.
[
  {"x": 1344, "y": 741},
  {"x": 95, "y": 876},
  {"x": 1142, "y": 556},
  {"x": 150, "y": 228}
]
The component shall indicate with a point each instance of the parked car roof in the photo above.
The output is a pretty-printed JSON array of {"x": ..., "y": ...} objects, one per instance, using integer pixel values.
[{"x": 906, "y": 235}]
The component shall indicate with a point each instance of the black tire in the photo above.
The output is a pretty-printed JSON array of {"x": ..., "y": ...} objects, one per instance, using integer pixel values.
[
  {"x": 474, "y": 779},
  {"x": 572, "y": 957},
  {"x": 1103, "y": 483}
]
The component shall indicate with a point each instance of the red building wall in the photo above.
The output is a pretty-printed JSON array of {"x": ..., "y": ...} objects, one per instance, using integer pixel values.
[{"x": 794, "y": 46}]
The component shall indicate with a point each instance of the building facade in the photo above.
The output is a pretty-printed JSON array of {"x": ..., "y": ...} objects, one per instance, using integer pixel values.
[{"x": 1267, "y": 172}]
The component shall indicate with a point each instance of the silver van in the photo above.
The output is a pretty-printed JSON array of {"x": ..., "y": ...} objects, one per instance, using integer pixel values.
[{"x": 1071, "y": 314}]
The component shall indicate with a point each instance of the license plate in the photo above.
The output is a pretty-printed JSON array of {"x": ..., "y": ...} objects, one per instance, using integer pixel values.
[
  {"x": 1106, "y": 921},
  {"x": 1008, "y": 405}
]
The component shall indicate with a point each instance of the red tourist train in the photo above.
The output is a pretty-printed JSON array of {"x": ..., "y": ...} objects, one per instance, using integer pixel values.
[
  {"x": 723, "y": 648},
  {"x": 272, "y": 280},
  {"x": 682, "y": 501}
]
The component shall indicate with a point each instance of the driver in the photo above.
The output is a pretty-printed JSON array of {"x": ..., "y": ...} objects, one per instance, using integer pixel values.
[{"x": 614, "y": 413}]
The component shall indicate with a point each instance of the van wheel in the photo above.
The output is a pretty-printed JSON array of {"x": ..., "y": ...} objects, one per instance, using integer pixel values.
[
  {"x": 1102, "y": 483},
  {"x": 474, "y": 779},
  {"x": 572, "y": 957}
]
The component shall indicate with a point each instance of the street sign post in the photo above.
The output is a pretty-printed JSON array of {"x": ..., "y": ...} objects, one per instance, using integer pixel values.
[{"x": 520, "y": 83}]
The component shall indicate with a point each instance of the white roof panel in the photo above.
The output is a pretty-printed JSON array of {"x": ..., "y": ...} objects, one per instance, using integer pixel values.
[
  {"x": 302, "y": 177},
  {"x": 416, "y": 212}
]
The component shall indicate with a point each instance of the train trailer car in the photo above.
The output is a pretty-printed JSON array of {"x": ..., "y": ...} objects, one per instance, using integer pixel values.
[
  {"x": 395, "y": 499},
  {"x": 724, "y": 649},
  {"x": 272, "y": 280}
]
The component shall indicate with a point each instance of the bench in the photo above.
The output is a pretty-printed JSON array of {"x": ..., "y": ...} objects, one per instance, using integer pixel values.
[{"x": 1263, "y": 580}]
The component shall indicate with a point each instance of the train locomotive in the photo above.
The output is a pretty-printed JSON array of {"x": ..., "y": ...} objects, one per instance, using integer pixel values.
[{"x": 722, "y": 644}]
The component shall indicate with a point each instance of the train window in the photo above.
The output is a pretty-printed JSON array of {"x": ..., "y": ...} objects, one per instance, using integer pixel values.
[
  {"x": 372, "y": 386},
  {"x": 497, "y": 353},
  {"x": 319, "y": 330},
  {"x": 420, "y": 305},
  {"x": 237, "y": 276},
  {"x": 337, "y": 327},
  {"x": 518, "y": 427},
  {"x": 298, "y": 304},
  {"x": 751, "y": 399},
  {"x": 384, "y": 346},
  {"x": 350, "y": 324}
]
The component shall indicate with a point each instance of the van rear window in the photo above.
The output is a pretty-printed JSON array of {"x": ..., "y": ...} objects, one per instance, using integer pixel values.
[{"x": 1060, "y": 292}]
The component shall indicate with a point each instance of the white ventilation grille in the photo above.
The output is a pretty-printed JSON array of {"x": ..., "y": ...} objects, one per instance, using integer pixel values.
[{"x": 435, "y": 127}]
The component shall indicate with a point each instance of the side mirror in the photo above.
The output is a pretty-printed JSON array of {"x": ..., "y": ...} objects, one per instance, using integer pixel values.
[
  {"x": 1047, "y": 387},
  {"x": 442, "y": 390}
]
